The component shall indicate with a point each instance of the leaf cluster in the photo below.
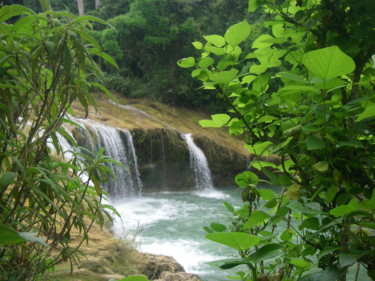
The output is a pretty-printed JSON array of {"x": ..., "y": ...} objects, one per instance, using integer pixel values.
[
  {"x": 46, "y": 64},
  {"x": 303, "y": 97}
]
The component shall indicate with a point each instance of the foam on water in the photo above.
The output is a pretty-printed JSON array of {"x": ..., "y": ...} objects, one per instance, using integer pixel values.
[{"x": 171, "y": 223}]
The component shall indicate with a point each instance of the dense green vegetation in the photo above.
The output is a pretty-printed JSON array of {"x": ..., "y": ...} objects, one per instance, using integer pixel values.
[
  {"x": 305, "y": 92},
  {"x": 150, "y": 36},
  {"x": 46, "y": 64},
  {"x": 298, "y": 82}
]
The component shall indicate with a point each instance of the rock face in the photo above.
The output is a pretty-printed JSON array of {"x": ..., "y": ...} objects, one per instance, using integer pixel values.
[
  {"x": 165, "y": 268},
  {"x": 163, "y": 160}
]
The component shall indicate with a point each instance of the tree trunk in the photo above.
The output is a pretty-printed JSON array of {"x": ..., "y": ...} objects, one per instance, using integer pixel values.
[
  {"x": 97, "y": 4},
  {"x": 81, "y": 7}
]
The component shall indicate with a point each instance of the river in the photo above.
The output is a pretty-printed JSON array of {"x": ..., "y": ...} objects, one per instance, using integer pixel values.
[{"x": 171, "y": 223}]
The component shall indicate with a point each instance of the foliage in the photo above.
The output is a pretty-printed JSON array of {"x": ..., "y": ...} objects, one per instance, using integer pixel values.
[
  {"x": 305, "y": 92},
  {"x": 46, "y": 64}
]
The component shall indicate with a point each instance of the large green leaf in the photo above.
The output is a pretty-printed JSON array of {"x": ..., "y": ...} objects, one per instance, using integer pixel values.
[
  {"x": 328, "y": 63},
  {"x": 237, "y": 240},
  {"x": 266, "y": 252},
  {"x": 237, "y": 33}
]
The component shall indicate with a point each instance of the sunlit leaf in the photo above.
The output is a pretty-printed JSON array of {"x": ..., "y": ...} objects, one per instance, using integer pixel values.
[
  {"x": 186, "y": 62},
  {"x": 216, "y": 40},
  {"x": 328, "y": 63},
  {"x": 237, "y": 33}
]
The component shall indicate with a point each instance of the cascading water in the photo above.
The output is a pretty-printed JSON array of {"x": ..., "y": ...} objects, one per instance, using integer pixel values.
[
  {"x": 199, "y": 164},
  {"x": 118, "y": 144}
]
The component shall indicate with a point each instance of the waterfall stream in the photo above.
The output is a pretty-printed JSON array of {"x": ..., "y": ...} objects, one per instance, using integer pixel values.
[
  {"x": 118, "y": 144},
  {"x": 199, "y": 164}
]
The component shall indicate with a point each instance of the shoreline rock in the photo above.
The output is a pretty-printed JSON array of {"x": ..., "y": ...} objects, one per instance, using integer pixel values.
[{"x": 165, "y": 268}]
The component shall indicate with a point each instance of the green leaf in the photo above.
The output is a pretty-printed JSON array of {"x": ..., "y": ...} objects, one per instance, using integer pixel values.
[
  {"x": 237, "y": 33},
  {"x": 321, "y": 166},
  {"x": 216, "y": 40},
  {"x": 257, "y": 217},
  {"x": 7, "y": 178},
  {"x": 314, "y": 143},
  {"x": 297, "y": 89},
  {"x": 237, "y": 240},
  {"x": 331, "y": 193},
  {"x": 328, "y": 63},
  {"x": 7, "y": 12},
  {"x": 342, "y": 210},
  {"x": 218, "y": 227},
  {"x": 9, "y": 236},
  {"x": 220, "y": 118},
  {"x": 87, "y": 18},
  {"x": 245, "y": 178},
  {"x": 186, "y": 62},
  {"x": 229, "y": 207},
  {"x": 311, "y": 223},
  {"x": 206, "y": 62},
  {"x": 300, "y": 263},
  {"x": 260, "y": 43},
  {"x": 254, "y": 5},
  {"x": 224, "y": 77},
  {"x": 260, "y": 148},
  {"x": 286, "y": 235},
  {"x": 266, "y": 194},
  {"x": 296, "y": 206},
  {"x": 197, "y": 45},
  {"x": 367, "y": 113},
  {"x": 266, "y": 252}
]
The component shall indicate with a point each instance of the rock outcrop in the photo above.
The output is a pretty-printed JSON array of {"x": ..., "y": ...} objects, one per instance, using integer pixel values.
[{"x": 165, "y": 268}]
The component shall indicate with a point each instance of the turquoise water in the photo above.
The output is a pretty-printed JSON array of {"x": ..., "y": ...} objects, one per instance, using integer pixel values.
[{"x": 171, "y": 223}]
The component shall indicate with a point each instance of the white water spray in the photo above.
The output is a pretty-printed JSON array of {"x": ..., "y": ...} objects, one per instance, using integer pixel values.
[
  {"x": 199, "y": 164},
  {"x": 128, "y": 179}
]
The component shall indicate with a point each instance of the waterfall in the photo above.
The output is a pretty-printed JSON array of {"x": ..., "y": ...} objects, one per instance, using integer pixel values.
[
  {"x": 118, "y": 144},
  {"x": 198, "y": 163}
]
